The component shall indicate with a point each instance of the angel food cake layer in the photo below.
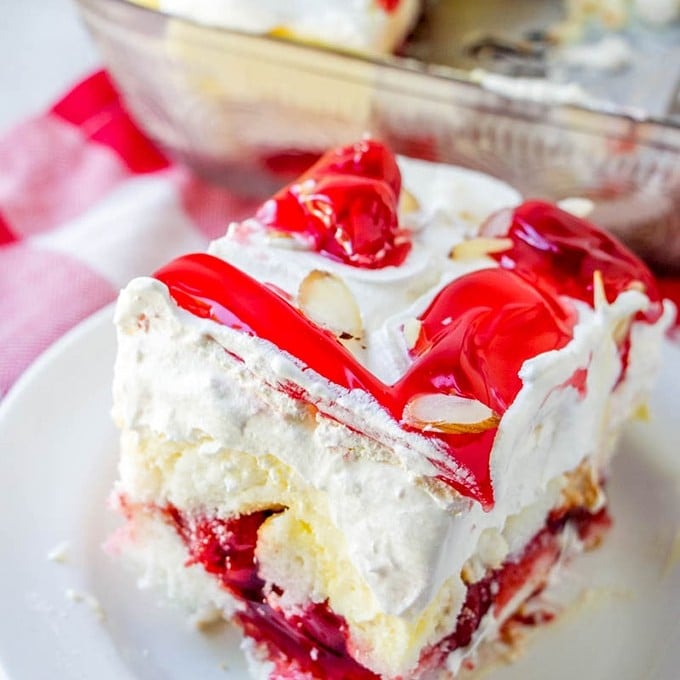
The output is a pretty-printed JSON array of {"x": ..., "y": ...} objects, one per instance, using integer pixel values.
[{"x": 372, "y": 420}]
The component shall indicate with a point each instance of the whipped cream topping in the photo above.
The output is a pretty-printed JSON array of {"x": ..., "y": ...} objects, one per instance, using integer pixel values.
[{"x": 404, "y": 536}]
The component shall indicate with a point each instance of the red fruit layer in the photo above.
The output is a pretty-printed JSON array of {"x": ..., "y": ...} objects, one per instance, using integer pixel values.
[
  {"x": 315, "y": 641},
  {"x": 345, "y": 206}
]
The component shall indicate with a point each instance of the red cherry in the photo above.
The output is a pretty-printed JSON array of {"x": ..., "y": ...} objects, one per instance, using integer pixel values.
[
  {"x": 367, "y": 158},
  {"x": 356, "y": 219},
  {"x": 555, "y": 248},
  {"x": 346, "y": 205}
]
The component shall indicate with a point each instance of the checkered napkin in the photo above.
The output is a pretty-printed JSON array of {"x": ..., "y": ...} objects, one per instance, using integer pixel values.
[{"x": 87, "y": 203}]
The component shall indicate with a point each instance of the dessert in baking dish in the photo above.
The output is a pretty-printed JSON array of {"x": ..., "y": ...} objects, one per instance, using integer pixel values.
[
  {"x": 371, "y": 422},
  {"x": 366, "y": 25}
]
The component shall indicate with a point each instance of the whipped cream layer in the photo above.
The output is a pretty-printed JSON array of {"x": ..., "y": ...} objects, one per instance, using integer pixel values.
[
  {"x": 402, "y": 538},
  {"x": 350, "y": 24}
]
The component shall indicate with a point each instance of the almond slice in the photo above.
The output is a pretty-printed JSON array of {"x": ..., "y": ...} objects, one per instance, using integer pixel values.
[
  {"x": 479, "y": 247},
  {"x": 577, "y": 206},
  {"x": 284, "y": 239},
  {"x": 599, "y": 295},
  {"x": 621, "y": 330},
  {"x": 408, "y": 203},
  {"x": 449, "y": 413},
  {"x": 411, "y": 330},
  {"x": 325, "y": 299}
]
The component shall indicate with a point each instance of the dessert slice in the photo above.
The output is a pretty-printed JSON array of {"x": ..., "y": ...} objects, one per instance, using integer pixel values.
[{"x": 371, "y": 422}]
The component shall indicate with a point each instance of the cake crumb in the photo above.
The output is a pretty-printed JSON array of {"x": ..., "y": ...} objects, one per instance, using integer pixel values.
[
  {"x": 206, "y": 620},
  {"x": 59, "y": 553},
  {"x": 90, "y": 600}
]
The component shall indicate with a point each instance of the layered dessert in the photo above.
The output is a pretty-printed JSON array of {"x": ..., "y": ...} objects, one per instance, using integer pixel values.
[
  {"x": 364, "y": 25},
  {"x": 370, "y": 424}
]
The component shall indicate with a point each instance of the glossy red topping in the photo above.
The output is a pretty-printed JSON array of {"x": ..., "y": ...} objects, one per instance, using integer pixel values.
[
  {"x": 389, "y": 5},
  {"x": 313, "y": 641},
  {"x": 476, "y": 334},
  {"x": 345, "y": 205},
  {"x": 211, "y": 288},
  {"x": 555, "y": 248}
]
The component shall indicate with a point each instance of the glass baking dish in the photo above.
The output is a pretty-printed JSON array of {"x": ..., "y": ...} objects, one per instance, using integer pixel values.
[{"x": 251, "y": 111}]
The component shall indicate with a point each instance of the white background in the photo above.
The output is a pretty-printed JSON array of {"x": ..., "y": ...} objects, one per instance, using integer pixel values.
[{"x": 43, "y": 51}]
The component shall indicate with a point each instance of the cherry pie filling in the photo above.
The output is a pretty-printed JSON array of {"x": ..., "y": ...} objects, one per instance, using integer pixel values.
[{"x": 317, "y": 641}]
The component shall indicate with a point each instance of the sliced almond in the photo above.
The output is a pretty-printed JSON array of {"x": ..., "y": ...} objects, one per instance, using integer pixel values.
[
  {"x": 411, "y": 331},
  {"x": 577, "y": 206},
  {"x": 449, "y": 413},
  {"x": 621, "y": 330},
  {"x": 599, "y": 296},
  {"x": 408, "y": 203},
  {"x": 325, "y": 299},
  {"x": 476, "y": 248}
]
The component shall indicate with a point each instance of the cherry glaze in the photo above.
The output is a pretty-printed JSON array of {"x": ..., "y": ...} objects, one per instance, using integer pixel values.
[
  {"x": 497, "y": 322},
  {"x": 389, "y": 5},
  {"x": 552, "y": 247},
  {"x": 345, "y": 206},
  {"x": 312, "y": 641},
  {"x": 478, "y": 332},
  {"x": 315, "y": 640}
]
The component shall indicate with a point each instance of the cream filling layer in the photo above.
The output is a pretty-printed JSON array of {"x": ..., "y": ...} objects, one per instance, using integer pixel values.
[{"x": 300, "y": 548}]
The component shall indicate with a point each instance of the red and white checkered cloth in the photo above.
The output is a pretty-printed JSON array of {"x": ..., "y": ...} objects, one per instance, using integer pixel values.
[{"x": 87, "y": 203}]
